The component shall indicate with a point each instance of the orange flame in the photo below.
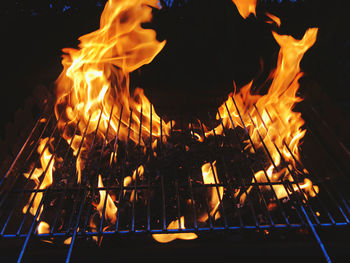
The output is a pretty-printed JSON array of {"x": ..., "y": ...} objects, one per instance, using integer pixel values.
[
  {"x": 43, "y": 228},
  {"x": 128, "y": 180},
  {"x": 111, "y": 209},
  {"x": 245, "y": 7},
  {"x": 93, "y": 88},
  {"x": 93, "y": 93},
  {"x": 282, "y": 192},
  {"x": 47, "y": 164},
  {"x": 215, "y": 193},
  {"x": 165, "y": 238},
  {"x": 274, "y": 19},
  {"x": 270, "y": 119}
]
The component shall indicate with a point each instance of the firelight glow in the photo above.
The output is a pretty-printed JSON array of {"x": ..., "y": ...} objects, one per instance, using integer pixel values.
[{"x": 93, "y": 95}]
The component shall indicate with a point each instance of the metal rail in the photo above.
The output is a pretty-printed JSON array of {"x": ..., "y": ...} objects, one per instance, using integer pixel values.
[{"x": 171, "y": 187}]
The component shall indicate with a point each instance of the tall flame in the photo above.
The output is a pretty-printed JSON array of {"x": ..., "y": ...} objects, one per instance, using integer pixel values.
[
  {"x": 93, "y": 94},
  {"x": 94, "y": 87},
  {"x": 270, "y": 119}
]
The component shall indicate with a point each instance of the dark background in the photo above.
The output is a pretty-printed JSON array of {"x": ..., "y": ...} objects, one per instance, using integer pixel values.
[{"x": 208, "y": 46}]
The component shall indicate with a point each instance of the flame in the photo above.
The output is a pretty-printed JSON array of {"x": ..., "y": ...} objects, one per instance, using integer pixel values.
[
  {"x": 274, "y": 19},
  {"x": 245, "y": 7},
  {"x": 111, "y": 209},
  {"x": 269, "y": 119},
  {"x": 215, "y": 193},
  {"x": 282, "y": 192},
  {"x": 43, "y": 228},
  {"x": 93, "y": 88},
  {"x": 128, "y": 180},
  {"x": 165, "y": 238},
  {"x": 93, "y": 94},
  {"x": 47, "y": 164}
]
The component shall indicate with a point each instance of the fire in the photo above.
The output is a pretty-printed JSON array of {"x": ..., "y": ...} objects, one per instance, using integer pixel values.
[
  {"x": 93, "y": 95},
  {"x": 47, "y": 167},
  {"x": 111, "y": 209},
  {"x": 281, "y": 192},
  {"x": 245, "y": 7},
  {"x": 214, "y": 193},
  {"x": 93, "y": 88},
  {"x": 128, "y": 180},
  {"x": 166, "y": 238},
  {"x": 269, "y": 119},
  {"x": 274, "y": 19},
  {"x": 43, "y": 228}
]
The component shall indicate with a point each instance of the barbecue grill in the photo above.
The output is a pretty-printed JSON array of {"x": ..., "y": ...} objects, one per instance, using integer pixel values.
[
  {"x": 124, "y": 178},
  {"x": 170, "y": 187}
]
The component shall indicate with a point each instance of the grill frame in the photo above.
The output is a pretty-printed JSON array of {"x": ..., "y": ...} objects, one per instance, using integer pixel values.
[{"x": 304, "y": 209}]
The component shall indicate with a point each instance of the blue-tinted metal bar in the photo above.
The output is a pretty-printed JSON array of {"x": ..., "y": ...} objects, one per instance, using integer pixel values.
[
  {"x": 286, "y": 166},
  {"x": 266, "y": 150},
  {"x": 318, "y": 239},
  {"x": 203, "y": 184},
  {"x": 69, "y": 254},
  {"x": 32, "y": 170},
  {"x": 99, "y": 168},
  {"x": 121, "y": 193},
  {"x": 38, "y": 186},
  {"x": 158, "y": 173},
  {"x": 301, "y": 165},
  {"x": 85, "y": 192},
  {"x": 20, "y": 152},
  {"x": 199, "y": 229},
  {"x": 38, "y": 210},
  {"x": 193, "y": 204}
]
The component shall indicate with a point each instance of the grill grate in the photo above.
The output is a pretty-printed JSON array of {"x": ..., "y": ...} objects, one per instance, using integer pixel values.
[{"x": 171, "y": 186}]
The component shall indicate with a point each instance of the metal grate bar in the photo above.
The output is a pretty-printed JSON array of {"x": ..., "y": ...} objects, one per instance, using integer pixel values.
[
  {"x": 81, "y": 189},
  {"x": 299, "y": 188},
  {"x": 157, "y": 194},
  {"x": 260, "y": 163},
  {"x": 243, "y": 150},
  {"x": 303, "y": 173}
]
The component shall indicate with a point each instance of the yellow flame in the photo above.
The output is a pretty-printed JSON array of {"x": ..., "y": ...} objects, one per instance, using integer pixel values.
[
  {"x": 270, "y": 119},
  {"x": 215, "y": 193},
  {"x": 128, "y": 180},
  {"x": 95, "y": 78},
  {"x": 47, "y": 164},
  {"x": 245, "y": 7},
  {"x": 43, "y": 228},
  {"x": 111, "y": 209},
  {"x": 165, "y": 238}
]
